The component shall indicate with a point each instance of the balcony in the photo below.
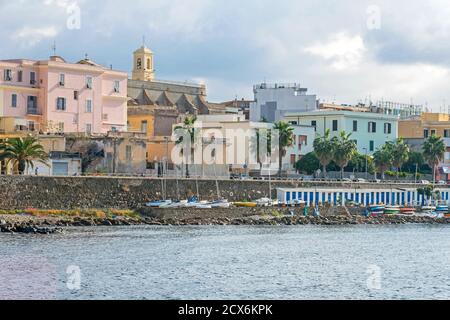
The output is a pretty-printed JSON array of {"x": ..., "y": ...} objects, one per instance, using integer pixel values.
[{"x": 34, "y": 111}]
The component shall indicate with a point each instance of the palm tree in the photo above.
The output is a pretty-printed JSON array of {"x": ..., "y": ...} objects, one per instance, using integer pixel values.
[
  {"x": 285, "y": 136},
  {"x": 189, "y": 126},
  {"x": 383, "y": 160},
  {"x": 22, "y": 152},
  {"x": 324, "y": 149},
  {"x": 400, "y": 153},
  {"x": 344, "y": 150},
  {"x": 262, "y": 145},
  {"x": 434, "y": 152}
]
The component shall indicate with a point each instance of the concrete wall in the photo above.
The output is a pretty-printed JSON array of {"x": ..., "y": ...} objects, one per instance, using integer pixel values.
[{"x": 21, "y": 192}]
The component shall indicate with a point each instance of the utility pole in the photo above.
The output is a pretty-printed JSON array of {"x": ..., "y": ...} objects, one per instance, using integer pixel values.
[{"x": 417, "y": 169}]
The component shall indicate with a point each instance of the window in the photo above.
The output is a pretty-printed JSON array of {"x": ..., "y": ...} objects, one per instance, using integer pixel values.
[
  {"x": 75, "y": 95},
  {"x": 32, "y": 78},
  {"x": 387, "y": 128},
  {"x": 426, "y": 133},
  {"x": 433, "y": 132},
  {"x": 144, "y": 126},
  {"x": 62, "y": 80},
  {"x": 8, "y": 75},
  {"x": 372, "y": 127},
  {"x": 89, "y": 82},
  {"x": 61, "y": 104},
  {"x": 372, "y": 146},
  {"x": 88, "y": 128},
  {"x": 31, "y": 126},
  {"x": 61, "y": 127},
  {"x": 148, "y": 64},
  {"x": 88, "y": 106},
  {"x": 447, "y": 133},
  {"x": 114, "y": 129},
  {"x": 116, "y": 86},
  {"x": 128, "y": 153},
  {"x": 139, "y": 64},
  {"x": 14, "y": 100},
  {"x": 19, "y": 76},
  {"x": 293, "y": 158},
  {"x": 335, "y": 125},
  {"x": 32, "y": 103},
  {"x": 314, "y": 124},
  {"x": 294, "y": 123},
  {"x": 355, "y": 126}
]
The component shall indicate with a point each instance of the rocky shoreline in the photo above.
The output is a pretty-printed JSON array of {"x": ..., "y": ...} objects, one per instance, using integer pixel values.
[{"x": 27, "y": 224}]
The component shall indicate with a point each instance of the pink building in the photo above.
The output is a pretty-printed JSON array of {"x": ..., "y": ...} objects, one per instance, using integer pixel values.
[{"x": 56, "y": 96}]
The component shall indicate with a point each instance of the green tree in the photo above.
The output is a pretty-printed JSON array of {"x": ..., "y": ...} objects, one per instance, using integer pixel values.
[
  {"x": 22, "y": 152},
  {"x": 285, "y": 136},
  {"x": 383, "y": 160},
  {"x": 344, "y": 150},
  {"x": 400, "y": 153},
  {"x": 433, "y": 152},
  {"x": 359, "y": 162},
  {"x": 189, "y": 127},
  {"x": 324, "y": 148},
  {"x": 308, "y": 164}
]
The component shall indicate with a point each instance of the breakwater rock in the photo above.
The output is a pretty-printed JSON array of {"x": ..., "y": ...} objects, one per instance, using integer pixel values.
[
  {"x": 275, "y": 216},
  {"x": 201, "y": 217}
]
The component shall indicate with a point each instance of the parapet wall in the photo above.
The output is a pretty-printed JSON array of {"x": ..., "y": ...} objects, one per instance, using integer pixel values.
[{"x": 18, "y": 192}]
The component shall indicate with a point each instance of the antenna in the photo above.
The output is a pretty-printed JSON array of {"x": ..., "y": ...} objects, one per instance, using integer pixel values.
[
  {"x": 54, "y": 48},
  {"x": 143, "y": 41},
  {"x": 86, "y": 56}
]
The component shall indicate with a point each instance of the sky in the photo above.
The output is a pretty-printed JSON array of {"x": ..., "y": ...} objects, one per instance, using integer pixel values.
[{"x": 345, "y": 51}]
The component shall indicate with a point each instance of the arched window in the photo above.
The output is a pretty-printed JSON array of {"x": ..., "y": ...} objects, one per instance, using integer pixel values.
[
  {"x": 148, "y": 64},
  {"x": 139, "y": 63}
]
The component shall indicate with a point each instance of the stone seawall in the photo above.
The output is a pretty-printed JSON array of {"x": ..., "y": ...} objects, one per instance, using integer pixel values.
[{"x": 122, "y": 193}]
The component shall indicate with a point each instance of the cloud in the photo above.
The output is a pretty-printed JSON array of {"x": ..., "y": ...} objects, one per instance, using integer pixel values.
[
  {"x": 232, "y": 44},
  {"x": 29, "y": 37},
  {"x": 342, "y": 51}
]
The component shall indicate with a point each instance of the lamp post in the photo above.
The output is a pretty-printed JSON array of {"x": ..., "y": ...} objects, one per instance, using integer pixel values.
[{"x": 367, "y": 164}]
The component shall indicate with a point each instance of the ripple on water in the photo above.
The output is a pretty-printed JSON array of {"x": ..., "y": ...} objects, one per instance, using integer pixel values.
[{"x": 304, "y": 262}]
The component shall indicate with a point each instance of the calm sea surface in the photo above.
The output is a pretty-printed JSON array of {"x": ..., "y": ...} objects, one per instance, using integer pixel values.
[{"x": 304, "y": 262}]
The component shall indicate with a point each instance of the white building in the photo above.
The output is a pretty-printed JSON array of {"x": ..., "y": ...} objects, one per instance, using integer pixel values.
[
  {"x": 273, "y": 100},
  {"x": 234, "y": 140},
  {"x": 59, "y": 164},
  {"x": 369, "y": 130}
]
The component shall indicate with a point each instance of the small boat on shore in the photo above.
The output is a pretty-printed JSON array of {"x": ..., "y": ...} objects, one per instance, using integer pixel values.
[
  {"x": 220, "y": 204},
  {"x": 245, "y": 204},
  {"x": 376, "y": 209},
  {"x": 428, "y": 209},
  {"x": 407, "y": 210},
  {"x": 442, "y": 208},
  {"x": 158, "y": 204},
  {"x": 392, "y": 210}
]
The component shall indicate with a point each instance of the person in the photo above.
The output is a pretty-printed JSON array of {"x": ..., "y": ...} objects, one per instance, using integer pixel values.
[
  {"x": 305, "y": 211},
  {"x": 36, "y": 171}
]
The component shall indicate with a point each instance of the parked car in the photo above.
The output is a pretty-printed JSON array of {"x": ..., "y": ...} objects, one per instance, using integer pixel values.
[
  {"x": 441, "y": 183},
  {"x": 425, "y": 182}
]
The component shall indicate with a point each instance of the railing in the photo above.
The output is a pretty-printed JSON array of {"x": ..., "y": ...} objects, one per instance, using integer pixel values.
[{"x": 33, "y": 111}]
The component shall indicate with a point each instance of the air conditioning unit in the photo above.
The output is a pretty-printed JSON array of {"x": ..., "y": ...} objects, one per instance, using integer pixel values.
[{"x": 116, "y": 90}]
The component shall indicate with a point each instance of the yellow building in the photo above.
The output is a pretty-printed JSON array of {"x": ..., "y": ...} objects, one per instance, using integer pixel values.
[{"x": 425, "y": 126}]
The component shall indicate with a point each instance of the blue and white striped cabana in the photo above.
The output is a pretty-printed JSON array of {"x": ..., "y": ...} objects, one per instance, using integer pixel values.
[{"x": 360, "y": 196}]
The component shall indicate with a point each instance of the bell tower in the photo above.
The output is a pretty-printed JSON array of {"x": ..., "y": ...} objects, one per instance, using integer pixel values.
[{"x": 143, "y": 64}]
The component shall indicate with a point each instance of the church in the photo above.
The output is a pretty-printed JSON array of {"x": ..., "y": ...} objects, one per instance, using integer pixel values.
[{"x": 154, "y": 106}]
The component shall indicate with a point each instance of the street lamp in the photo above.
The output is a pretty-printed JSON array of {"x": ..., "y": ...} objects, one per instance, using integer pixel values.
[{"x": 367, "y": 164}]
